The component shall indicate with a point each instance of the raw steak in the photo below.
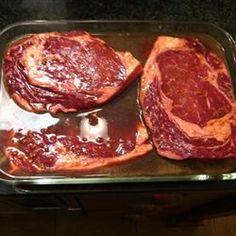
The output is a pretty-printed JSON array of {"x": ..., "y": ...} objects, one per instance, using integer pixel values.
[
  {"x": 84, "y": 147},
  {"x": 187, "y": 101},
  {"x": 66, "y": 71}
]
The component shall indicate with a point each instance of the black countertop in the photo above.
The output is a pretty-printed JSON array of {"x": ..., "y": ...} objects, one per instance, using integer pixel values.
[{"x": 221, "y": 13}]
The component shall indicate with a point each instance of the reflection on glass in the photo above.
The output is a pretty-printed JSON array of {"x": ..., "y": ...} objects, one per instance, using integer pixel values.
[
  {"x": 93, "y": 128},
  {"x": 16, "y": 118}
]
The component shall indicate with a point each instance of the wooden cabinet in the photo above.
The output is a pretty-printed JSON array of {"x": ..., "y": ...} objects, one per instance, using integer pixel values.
[{"x": 126, "y": 204}]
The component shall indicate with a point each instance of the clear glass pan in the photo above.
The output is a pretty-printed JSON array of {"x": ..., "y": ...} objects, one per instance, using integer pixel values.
[{"x": 136, "y": 37}]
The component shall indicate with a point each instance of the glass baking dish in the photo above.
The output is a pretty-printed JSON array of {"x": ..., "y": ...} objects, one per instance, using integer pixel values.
[{"x": 136, "y": 37}]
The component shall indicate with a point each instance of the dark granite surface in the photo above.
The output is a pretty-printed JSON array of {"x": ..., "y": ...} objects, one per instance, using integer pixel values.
[{"x": 219, "y": 12}]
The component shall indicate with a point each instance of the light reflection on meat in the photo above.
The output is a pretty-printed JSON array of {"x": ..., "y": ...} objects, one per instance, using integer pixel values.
[{"x": 82, "y": 143}]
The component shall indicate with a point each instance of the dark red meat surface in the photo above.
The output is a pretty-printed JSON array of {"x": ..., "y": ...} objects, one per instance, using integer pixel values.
[
  {"x": 65, "y": 71},
  {"x": 187, "y": 101},
  {"x": 77, "y": 144}
]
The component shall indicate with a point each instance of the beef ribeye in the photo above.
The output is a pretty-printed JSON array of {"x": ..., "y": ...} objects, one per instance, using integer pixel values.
[
  {"x": 187, "y": 100},
  {"x": 66, "y": 71},
  {"x": 80, "y": 146}
]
